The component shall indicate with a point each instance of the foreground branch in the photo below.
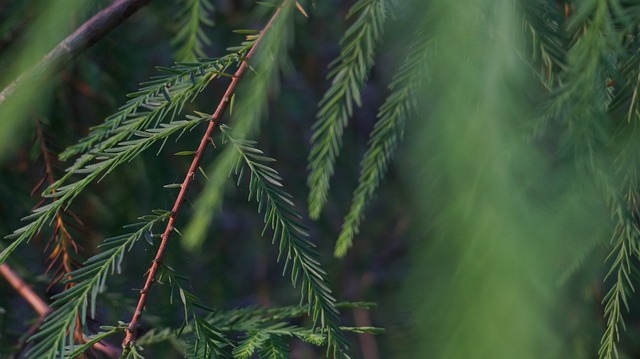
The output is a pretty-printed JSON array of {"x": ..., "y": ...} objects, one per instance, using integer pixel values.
[
  {"x": 186, "y": 184},
  {"x": 81, "y": 39}
]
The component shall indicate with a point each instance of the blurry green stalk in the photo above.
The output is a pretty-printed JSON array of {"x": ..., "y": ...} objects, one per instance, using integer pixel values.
[
  {"x": 55, "y": 19},
  {"x": 493, "y": 218}
]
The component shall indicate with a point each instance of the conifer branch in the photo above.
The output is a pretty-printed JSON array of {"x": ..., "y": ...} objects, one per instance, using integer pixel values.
[
  {"x": 244, "y": 320},
  {"x": 387, "y": 132},
  {"x": 56, "y": 335},
  {"x": 207, "y": 340},
  {"x": 186, "y": 184},
  {"x": 107, "y": 160},
  {"x": 349, "y": 73},
  {"x": 81, "y": 39},
  {"x": 191, "y": 38},
  {"x": 65, "y": 249},
  {"x": 41, "y": 307},
  {"x": 235, "y": 327},
  {"x": 625, "y": 240},
  {"x": 62, "y": 259},
  {"x": 162, "y": 97},
  {"x": 581, "y": 102},
  {"x": 546, "y": 23},
  {"x": 625, "y": 247},
  {"x": 106, "y": 147},
  {"x": 246, "y": 112},
  {"x": 281, "y": 216}
]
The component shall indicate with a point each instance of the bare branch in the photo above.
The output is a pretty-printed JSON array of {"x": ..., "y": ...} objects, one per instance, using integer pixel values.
[
  {"x": 25, "y": 291},
  {"x": 76, "y": 43},
  {"x": 41, "y": 307}
]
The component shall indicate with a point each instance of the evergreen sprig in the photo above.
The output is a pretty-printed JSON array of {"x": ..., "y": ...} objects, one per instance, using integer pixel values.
[
  {"x": 546, "y": 23},
  {"x": 387, "y": 132},
  {"x": 275, "y": 348},
  {"x": 162, "y": 98},
  {"x": 582, "y": 99},
  {"x": 107, "y": 160},
  {"x": 191, "y": 38},
  {"x": 78, "y": 350},
  {"x": 111, "y": 143},
  {"x": 55, "y": 337},
  {"x": 247, "y": 109},
  {"x": 205, "y": 141},
  {"x": 300, "y": 256},
  {"x": 249, "y": 320},
  {"x": 256, "y": 340},
  {"x": 349, "y": 72},
  {"x": 625, "y": 241},
  {"x": 626, "y": 247},
  {"x": 206, "y": 340}
]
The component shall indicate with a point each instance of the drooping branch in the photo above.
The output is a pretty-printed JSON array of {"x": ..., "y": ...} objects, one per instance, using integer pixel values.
[
  {"x": 76, "y": 43},
  {"x": 186, "y": 184},
  {"x": 61, "y": 259}
]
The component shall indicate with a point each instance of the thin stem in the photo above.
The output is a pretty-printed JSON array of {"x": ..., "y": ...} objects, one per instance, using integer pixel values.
[
  {"x": 25, "y": 291},
  {"x": 41, "y": 307},
  {"x": 64, "y": 244},
  {"x": 80, "y": 40},
  {"x": 186, "y": 184},
  {"x": 28, "y": 294}
]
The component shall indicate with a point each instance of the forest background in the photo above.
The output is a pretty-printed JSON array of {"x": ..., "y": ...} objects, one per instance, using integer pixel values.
[{"x": 466, "y": 172}]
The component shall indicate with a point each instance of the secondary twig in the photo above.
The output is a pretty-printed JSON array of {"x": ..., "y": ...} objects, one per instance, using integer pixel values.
[
  {"x": 81, "y": 39},
  {"x": 61, "y": 259},
  {"x": 63, "y": 242},
  {"x": 41, "y": 307},
  {"x": 25, "y": 291},
  {"x": 184, "y": 188}
]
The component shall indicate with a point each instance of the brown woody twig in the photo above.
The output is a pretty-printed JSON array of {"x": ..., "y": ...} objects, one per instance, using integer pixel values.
[
  {"x": 41, "y": 307},
  {"x": 63, "y": 243},
  {"x": 81, "y": 39},
  {"x": 186, "y": 184}
]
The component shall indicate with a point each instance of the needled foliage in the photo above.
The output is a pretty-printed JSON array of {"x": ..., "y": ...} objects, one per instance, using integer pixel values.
[
  {"x": 246, "y": 112},
  {"x": 477, "y": 174},
  {"x": 388, "y": 131},
  {"x": 580, "y": 136},
  {"x": 508, "y": 225},
  {"x": 297, "y": 252},
  {"x": 348, "y": 75},
  {"x": 191, "y": 37},
  {"x": 155, "y": 114}
]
